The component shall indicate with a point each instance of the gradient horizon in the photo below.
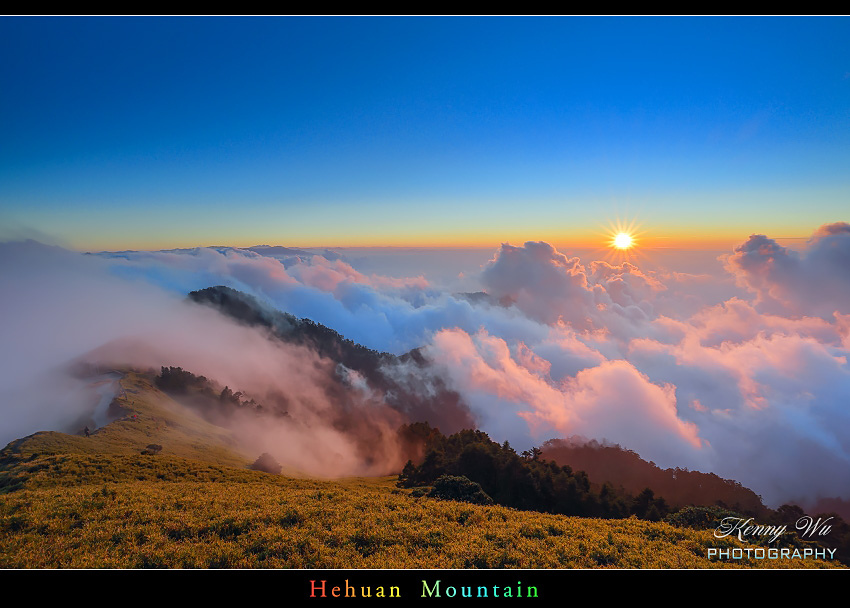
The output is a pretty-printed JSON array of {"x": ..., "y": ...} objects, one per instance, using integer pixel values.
[{"x": 154, "y": 133}]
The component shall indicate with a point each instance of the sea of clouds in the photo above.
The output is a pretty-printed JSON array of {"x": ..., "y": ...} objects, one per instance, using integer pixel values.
[{"x": 739, "y": 368}]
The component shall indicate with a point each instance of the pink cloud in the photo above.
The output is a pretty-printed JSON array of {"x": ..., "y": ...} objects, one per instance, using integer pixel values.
[
  {"x": 543, "y": 283},
  {"x": 611, "y": 400},
  {"x": 815, "y": 281}
]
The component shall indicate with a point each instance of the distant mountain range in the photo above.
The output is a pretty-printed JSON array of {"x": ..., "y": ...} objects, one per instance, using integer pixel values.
[{"x": 278, "y": 252}]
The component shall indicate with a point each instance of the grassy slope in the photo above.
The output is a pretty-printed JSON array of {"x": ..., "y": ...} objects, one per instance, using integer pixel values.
[
  {"x": 149, "y": 416},
  {"x": 97, "y": 502}
]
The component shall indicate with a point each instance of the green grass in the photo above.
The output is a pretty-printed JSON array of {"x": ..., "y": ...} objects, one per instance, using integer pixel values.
[{"x": 97, "y": 502}]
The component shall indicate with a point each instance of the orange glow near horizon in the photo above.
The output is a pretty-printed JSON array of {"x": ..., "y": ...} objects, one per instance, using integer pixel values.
[{"x": 565, "y": 239}]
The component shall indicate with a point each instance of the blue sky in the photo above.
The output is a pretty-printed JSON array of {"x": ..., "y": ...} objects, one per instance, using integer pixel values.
[{"x": 157, "y": 132}]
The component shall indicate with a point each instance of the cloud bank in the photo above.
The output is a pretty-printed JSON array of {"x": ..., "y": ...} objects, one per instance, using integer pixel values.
[{"x": 743, "y": 373}]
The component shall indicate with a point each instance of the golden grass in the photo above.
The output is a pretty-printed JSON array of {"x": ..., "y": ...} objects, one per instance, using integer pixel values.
[{"x": 97, "y": 502}]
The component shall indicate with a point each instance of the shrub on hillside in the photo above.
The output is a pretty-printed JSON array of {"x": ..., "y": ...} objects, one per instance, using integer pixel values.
[
  {"x": 267, "y": 463},
  {"x": 451, "y": 487}
]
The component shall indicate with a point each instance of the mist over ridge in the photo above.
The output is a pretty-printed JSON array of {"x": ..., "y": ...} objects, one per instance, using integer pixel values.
[{"x": 742, "y": 373}]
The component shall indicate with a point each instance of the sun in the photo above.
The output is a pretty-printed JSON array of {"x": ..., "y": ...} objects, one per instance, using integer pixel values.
[{"x": 623, "y": 240}]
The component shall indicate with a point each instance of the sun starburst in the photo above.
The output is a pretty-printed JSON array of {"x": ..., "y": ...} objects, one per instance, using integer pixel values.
[
  {"x": 623, "y": 236},
  {"x": 623, "y": 240}
]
